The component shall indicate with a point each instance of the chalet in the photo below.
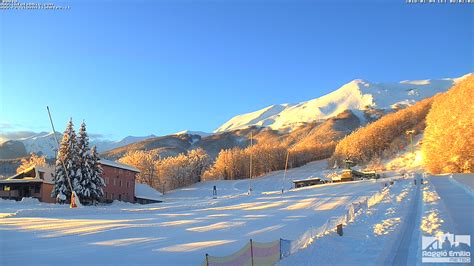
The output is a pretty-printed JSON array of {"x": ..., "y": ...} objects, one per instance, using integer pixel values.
[{"x": 37, "y": 182}]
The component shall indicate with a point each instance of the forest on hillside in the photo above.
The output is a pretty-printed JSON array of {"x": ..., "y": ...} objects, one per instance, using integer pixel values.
[
  {"x": 446, "y": 120},
  {"x": 448, "y": 142}
]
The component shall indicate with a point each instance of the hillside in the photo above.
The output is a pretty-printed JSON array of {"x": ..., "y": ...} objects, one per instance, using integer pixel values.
[
  {"x": 449, "y": 134},
  {"x": 331, "y": 129},
  {"x": 383, "y": 137},
  {"x": 321, "y": 120},
  {"x": 12, "y": 149},
  {"x": 357, "y": 95},
  {"x": 292, "y": 123}
]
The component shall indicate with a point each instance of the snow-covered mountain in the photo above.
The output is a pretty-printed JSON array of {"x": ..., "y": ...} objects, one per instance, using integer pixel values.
[
  {"x": 357, "y": 95},
  {"x": 44, "y": 143},
  {"x": 192, "y": 132},
  {"x": 106, "y": 145}
]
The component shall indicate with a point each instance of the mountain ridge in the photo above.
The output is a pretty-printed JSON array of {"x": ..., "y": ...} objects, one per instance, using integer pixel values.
[
  {"x": 43, "y": 143},
  {"x": 366, "y": 100},
  {"x": 356, "y": 95}
]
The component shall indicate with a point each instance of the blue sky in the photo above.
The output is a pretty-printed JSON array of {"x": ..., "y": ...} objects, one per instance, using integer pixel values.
[{"x": 158, "y": 67}]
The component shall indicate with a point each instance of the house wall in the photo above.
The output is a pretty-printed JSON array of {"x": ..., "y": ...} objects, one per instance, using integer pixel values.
[
  {"x": 119, "y": 184},
  {"x": 12, "y": 194},
  {"x": 20, "y": 190},
  {"x": 46, "y": 190}
]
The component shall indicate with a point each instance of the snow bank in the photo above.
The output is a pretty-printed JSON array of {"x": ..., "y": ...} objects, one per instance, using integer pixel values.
[
  {"x": 368, "y": 240},
  {"x": 353, "y": 209},
  {"x": 464, "y": 181},
  {"x": 431, "y": 221}
]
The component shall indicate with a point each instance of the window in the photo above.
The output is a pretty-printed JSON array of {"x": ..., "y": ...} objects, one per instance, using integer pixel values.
[
  {"x": 37, "y": 189},
  {"x": 120, "y": 183},
  {"x": 120, "y": 196}
]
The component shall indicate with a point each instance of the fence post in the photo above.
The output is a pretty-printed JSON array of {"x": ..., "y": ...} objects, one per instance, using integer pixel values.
[
  {"x": 280, "y": 248},
  {"x": 339, "y": 229},
  {"x": 207, "y": 259},
  {"x": 251, "y": 250}
]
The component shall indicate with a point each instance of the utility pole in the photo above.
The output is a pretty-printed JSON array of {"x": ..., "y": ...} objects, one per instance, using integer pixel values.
[
  {"x": 284, "y": 174},
  {"x": 250, "y": 171},
  {"x": 410, "y": 135}
]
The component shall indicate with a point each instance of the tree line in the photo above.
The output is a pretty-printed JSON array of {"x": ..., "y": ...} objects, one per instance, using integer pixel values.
[
  {"x": 194, "y": 166},
  {"x": 383, "y": 137},
  {"x": 234, "y": 163},
  {"x": 168, "y": 173}
]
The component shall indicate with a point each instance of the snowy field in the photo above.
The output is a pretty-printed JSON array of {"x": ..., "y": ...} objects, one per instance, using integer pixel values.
[
  {"x": 190, "y": 223},
  {"x": 178, "y": 231}
]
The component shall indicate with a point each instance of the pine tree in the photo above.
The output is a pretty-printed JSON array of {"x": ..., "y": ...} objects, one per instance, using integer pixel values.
[
  {"x": 97, "y": 183},
  {"x": 84, "y": 171},
  {"x": 66, "y": 158}
]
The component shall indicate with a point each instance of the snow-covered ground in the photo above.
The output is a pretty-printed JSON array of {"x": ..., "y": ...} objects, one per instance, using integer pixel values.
[
  {"x": 190, "y": 222},
  {"x": 372, "y": 239},
  {"x": 179, "y": 231}
]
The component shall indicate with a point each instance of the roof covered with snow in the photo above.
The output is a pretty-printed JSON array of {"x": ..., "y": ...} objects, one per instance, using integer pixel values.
[
  {"x": 144, "y": 191},
  {"x": 32, "y": 174},
  {"x": 118, "y": 165}
]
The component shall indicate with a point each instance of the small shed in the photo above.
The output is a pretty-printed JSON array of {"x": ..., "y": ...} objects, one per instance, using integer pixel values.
[
  {"x": 144, "y": 194},
  {"x": 308, "y": 182}
]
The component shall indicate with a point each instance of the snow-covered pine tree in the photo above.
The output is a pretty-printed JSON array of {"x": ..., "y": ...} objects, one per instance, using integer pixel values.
[
  {"x": 67, "y": 154},
  {"x": 97, "y": 183},
  {"x": 84, "y": 171}
]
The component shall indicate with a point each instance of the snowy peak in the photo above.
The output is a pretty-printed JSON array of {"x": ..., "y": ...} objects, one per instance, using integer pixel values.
[
  {"x": 258, "y": 118},
  {"x": 43, "y": 143},
  {"x": 357, "y": 95},
  {"x": 191, "y": 132}
]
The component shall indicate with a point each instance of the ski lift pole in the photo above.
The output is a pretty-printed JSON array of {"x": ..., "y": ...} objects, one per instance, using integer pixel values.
[
  {"x": 410, "y": 135},
  {"x": 59, "y": 157},
  {"x": 250, "y": 170},
  {"x": 284, "y": 174}
]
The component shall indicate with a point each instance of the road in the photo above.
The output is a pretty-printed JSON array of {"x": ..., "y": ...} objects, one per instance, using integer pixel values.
[
  {"x": 459, "y": 205},
  {"x": 408, "y": 230}
]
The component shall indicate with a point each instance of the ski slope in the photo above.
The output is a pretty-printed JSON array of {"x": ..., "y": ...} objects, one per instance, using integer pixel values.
[{"x": 179, "y": 231}]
